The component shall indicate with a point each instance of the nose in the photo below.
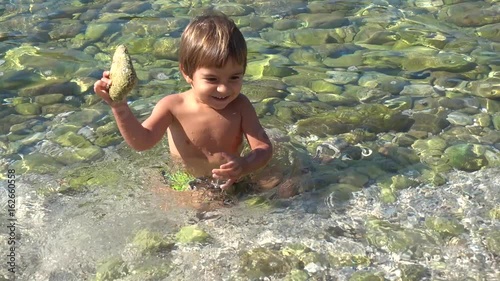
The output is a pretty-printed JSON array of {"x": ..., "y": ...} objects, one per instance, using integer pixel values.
[{"x": 222, "y": 88}]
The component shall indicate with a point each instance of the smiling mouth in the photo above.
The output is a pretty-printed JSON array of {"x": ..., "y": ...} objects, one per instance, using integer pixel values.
[{"x": 220, "y": 98}]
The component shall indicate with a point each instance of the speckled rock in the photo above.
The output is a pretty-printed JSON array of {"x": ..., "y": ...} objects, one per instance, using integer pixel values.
[{"x": 122, "y": 74}]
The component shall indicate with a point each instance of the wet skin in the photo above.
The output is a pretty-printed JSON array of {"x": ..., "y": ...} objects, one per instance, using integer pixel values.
[{"x": 205, "y": 125}]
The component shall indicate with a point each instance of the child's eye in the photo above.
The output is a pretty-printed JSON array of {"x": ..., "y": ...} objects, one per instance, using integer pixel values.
[
  {"x": 211, "y": 79},
  {"x": 236, "y": 77}
]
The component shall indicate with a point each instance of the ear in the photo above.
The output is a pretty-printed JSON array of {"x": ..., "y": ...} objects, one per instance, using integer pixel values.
[{"x": 188, "y": 79}]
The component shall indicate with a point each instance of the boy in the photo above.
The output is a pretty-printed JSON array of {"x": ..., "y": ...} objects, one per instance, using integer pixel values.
[{"x": 206, "y": 124}]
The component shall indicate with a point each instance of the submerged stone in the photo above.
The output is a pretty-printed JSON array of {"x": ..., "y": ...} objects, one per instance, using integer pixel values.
[
  {"x": 57, "y": 108},
  {"x": 297, "y": 275},
  {"x": 391, "y": 84},
  {"x": 275, "y": 66},
  {"x": 306, "y": 57},
  {"x": 48, "y": 99},
  {"x": 430, "y": 122},
  {"x": 419, "y": 90},
  {"x": 365, "y": 95},
  {"x": 112, "y": 269},
  {"x": 446, "y": 227},
  {"x": 367, "y": 276},
  {"x": 435, "y": 178},
  {"x": 482, "y": 119},
  {"x": 494, "y": 213},
  {"x": 493, "y": 242},
  {"x": 138, "y": 46},
  {"x": 258, "y": 93},
  {"x": 496, "y": 121},
  {"x": 96, "y": 31},
  {"x": 397, "y": 239},
  {"x": 258, "y": 201},
  {"x": 37, "y": 163},
  {"x": 57, "y": 86},
  {"x": 81, "y": 179},
  {"x": 460, "y": 118},
  {"x": 148, "y": 242},
  {"x": 387, "y": 195},
  {"x": 344, "y": 259},
  {"x": 433, "y": 143},
  {"x": 166, "y": 48},
  {"x": 487, "y": 88},
  {"x": 400, "y": 182},
  {"x": 373, "y": 117},
  {"x": 429, "y": 38},
  {"x": 491, "y": 32},
  {"x": 339, "y": 193},
  {"x": 108, "y": 140},
  {"x": 262, "y": 262},
  {"x": 445, "y": 61},
  {"x": 28, "y": 109},
  {"x": 191, "y": 234},
  {"x": 122, "y": 74},
  {"x": 233, "y": 10},
  {"x": 413, "y": 272},
  {"x": 69, "y": 29},
  {"x": 71, "y": 139},
  {"x": 470, "y": 14},
  {"x": 467, "y": 157},
  {"x": 286, "y": 24}
]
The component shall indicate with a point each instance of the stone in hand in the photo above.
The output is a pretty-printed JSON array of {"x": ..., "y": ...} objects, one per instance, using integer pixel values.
[{"x": 122, "y": 74}]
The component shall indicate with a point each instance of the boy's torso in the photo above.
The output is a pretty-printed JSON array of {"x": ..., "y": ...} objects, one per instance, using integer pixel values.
[{"x": 199, "y": 134}]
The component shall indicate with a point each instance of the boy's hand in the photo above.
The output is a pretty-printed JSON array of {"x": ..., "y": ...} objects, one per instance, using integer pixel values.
[
  {"x": 101, "y": 88},
  {"x": 231, "y": 170}
]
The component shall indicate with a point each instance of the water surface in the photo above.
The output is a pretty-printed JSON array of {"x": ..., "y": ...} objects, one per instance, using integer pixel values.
[{"x": 414, "y": 83}]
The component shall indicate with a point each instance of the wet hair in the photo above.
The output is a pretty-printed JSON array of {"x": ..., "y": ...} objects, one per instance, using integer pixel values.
[{"x": 210, "y": 40}]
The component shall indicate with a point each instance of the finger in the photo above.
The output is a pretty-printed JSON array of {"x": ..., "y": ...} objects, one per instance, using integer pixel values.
[
  {"x": 228, "y": 184},
  {"x": 221, "y": 173},
  {"x": 105, "y": 74},
  {"x": 228, "y": 157},
  {"x": 107, "y": 81},
  {"x": 100, "y": 87},
  {"x": 228, "y": 165}
]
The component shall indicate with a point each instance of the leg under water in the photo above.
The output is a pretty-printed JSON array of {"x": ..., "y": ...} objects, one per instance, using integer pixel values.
[{"x": 286, "y": 175}]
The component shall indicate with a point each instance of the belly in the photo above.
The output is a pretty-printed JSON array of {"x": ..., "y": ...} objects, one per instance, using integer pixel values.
[{"x": 200, "y": 155}]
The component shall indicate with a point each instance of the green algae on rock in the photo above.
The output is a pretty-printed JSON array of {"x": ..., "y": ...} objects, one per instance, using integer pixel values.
[
  {"x": 148, "y": 242},
  {"x": 111, "y": 269},
  {"x": 191, "y": 234},
  {"x": 122, "y": 74}
]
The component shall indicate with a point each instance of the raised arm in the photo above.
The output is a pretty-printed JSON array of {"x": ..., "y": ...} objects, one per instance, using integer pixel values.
[
  {"x": 146, "y": 135},
  {"x": 138, "y": 136}
]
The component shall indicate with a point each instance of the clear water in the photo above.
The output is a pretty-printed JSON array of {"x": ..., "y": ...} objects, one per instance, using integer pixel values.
[{"x": 66, "y": 234}]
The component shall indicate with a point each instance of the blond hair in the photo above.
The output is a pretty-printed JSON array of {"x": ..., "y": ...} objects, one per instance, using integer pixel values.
[{"x": 211, "y": 40}]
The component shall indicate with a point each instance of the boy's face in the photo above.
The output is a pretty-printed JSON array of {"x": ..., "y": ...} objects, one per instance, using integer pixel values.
[{"x": 217, "y": 87}]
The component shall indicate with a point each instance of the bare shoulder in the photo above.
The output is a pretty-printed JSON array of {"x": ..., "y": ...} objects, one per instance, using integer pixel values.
[
  {"x": 250, "y": 121},
  {"x": 165, "y": 107},
  {"x": 243, "y": 104},
  {"x": 170, "y": 100},
  {"x": 169, "y": 103}
]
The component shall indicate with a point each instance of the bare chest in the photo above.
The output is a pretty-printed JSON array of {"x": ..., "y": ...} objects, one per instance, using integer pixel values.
[{"x": 207, "y": 133}]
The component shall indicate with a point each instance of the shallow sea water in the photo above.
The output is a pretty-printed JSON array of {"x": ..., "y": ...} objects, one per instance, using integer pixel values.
[{"x": 83, "y": 197}]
